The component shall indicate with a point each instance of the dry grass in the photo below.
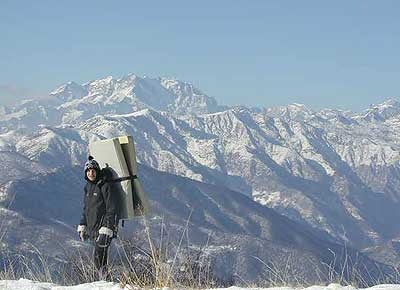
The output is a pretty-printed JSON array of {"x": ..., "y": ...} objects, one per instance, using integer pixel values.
[
  {"x": 149, "y": 261},
  {"x": 156, "y": 261},
  {"x": 161, "y": 262}
]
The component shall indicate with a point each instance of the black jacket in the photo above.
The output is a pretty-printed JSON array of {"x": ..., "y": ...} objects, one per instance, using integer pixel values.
[{"x": 99, "y": 207}]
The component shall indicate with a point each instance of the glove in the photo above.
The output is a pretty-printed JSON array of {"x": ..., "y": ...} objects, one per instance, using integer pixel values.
[
  {"x": 104, "y": 238},
  {"x": 82, "y": 232}
]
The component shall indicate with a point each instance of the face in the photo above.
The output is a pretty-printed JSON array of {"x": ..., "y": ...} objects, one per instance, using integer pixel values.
[{"x": 91, "y": 174}]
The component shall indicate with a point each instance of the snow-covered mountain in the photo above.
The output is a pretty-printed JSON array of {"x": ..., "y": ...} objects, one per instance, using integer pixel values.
[
  {"x": 72, "y": 102},
  {"x": 330, "y": 169},
  {"x": 333, "y": 170}
]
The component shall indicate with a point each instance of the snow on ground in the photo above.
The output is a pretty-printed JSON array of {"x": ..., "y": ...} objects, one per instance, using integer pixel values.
[{"x": 24, "y": 284}]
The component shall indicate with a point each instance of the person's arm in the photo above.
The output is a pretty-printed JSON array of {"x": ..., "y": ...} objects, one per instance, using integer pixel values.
[
  {"x": 82, "y": 224},
  {"x": 83, "y": 217},
  {"x": 108, "y": 226},
  {"x": 110, "y": 200}
]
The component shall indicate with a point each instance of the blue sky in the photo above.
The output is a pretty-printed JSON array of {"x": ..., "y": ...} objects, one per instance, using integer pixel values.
[{"x": 341, "y": 54}]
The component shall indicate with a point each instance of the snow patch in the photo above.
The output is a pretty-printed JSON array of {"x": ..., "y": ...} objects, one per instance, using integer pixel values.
[{"x": 24, "y": 284}]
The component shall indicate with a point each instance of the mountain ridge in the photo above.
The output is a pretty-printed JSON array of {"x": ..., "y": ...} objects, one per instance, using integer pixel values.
[{"x": 330, "y": 169}]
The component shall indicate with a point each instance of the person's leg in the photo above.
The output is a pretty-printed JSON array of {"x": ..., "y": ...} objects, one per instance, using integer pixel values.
[{"x": 100, "y": 261}]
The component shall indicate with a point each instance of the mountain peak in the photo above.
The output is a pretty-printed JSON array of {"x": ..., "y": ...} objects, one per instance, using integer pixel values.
[
  {"x": 381, "y": 112},
  {"x": 69, "y": 91},
  {"x": 293, "y": 111},
  {"x": 390, "y": 103}
]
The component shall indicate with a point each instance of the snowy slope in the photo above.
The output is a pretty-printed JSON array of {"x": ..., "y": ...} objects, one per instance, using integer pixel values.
[
  {"x": 333, "y": 176},
  {"x": 17, "y": 166}
]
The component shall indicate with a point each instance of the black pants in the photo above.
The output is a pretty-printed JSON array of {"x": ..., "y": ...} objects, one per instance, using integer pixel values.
[{"x": 100, "y": 257}]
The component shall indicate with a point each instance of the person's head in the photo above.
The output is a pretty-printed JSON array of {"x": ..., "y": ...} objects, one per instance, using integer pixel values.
[{"x": 92, "y": 169}]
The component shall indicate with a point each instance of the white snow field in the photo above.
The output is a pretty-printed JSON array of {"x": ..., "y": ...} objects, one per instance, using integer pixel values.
[{"x": 24, "y": 284}]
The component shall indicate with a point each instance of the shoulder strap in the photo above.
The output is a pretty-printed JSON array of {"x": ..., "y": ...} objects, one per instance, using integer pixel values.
[
  {"x": 101, "y": 182},
  {"x": 130, "y": 177}
]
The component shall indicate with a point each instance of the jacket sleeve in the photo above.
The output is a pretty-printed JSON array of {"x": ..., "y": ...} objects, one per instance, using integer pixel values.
[
  {"x": 83, "y": 217},
  {"x": 110, "y": 219}
]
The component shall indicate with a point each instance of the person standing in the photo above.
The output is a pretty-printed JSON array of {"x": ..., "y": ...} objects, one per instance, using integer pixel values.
[{"x": 99, "y": 220}]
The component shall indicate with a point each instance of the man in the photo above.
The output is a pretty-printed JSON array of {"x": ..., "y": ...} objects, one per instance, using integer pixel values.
[{"x": 99, "y": 217}]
